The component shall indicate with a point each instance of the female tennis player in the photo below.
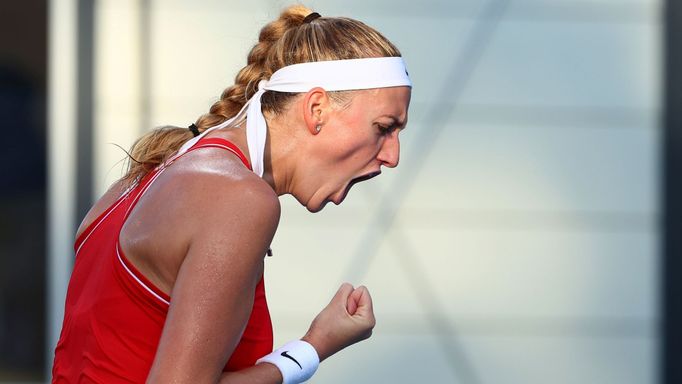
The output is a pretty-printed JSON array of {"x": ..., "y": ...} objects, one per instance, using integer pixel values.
[{"x": 167, "y": 285}]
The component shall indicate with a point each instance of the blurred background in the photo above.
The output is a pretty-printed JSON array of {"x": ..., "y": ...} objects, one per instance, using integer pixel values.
[{"x": 526, "y": 237}]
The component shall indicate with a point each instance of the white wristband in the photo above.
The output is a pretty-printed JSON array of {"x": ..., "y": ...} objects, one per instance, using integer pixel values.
[{"x": 297, "y": 360}]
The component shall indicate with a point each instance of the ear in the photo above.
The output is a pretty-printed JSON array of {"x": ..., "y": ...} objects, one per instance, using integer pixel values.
[{"x": 315, "y": 106}]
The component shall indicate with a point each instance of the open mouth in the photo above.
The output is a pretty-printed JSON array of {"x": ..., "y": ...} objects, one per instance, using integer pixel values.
[{"x": 355, "y": 181}]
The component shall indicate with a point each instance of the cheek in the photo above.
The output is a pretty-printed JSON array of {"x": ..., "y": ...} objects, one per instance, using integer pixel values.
[
  {"x": 342, "y": 144},
  {"x": 352, "y": 140},
  {"x": 356, "y": 159},
  {"x": 357, "y": 148}
]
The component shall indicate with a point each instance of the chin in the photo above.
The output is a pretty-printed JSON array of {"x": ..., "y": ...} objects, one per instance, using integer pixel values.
[
  {"x": 314, "y": 203},
  {"x": 318, "y": 208}
]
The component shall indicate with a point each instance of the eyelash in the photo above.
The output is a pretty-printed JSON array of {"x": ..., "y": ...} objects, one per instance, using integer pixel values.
[{"x": 386, "y": 129}]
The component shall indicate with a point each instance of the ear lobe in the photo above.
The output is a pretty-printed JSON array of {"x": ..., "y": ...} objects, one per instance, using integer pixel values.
[{"x": 315, "y": 107}]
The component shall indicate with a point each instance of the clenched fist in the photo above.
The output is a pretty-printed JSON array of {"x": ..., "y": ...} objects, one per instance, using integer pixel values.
[{"x": 347, "y": 319}]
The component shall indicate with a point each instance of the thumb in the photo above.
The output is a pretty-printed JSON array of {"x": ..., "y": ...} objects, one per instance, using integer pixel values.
[
  {"x": 363, "y": 300},
  {"x": 352, "y": 303},
  {"x": 342, "y": 294}
]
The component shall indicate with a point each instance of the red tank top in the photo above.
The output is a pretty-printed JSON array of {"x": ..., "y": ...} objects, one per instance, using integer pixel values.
[{"x": 114, "y": 316}]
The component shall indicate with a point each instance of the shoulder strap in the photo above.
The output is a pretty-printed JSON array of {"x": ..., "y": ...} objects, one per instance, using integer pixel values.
[
  {"x": 211, "y": 142},
  {"x": 215, "y": 142}
]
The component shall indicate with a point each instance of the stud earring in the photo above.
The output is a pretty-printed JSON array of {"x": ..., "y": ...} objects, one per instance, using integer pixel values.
[{"x": 318, "y": 128}]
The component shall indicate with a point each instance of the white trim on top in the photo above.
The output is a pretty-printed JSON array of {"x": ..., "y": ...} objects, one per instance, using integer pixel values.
[
  {"x": 92, "y": 228},
  {"x": 137, "y": 279},
  {"x": 137, "y": 197}
]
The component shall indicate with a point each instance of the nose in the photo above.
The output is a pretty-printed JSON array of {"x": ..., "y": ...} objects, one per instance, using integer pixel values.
[{"x": 389, "y": 153}]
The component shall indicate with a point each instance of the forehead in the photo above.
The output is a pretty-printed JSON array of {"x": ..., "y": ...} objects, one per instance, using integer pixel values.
[{"x": 385, "y": 101}]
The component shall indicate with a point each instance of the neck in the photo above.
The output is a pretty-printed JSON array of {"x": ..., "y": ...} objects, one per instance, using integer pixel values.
[{"x": 280, "y": 155}]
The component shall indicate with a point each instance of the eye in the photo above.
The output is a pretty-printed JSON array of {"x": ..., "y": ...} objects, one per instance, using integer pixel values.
[{"x": 386, "y": 129}]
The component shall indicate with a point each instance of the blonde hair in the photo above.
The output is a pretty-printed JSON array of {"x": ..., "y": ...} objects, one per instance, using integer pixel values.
[{"x": 285, "y": 41}]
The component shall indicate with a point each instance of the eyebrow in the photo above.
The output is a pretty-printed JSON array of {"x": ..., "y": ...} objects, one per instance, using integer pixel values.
[{"x": 396, "y": 121}]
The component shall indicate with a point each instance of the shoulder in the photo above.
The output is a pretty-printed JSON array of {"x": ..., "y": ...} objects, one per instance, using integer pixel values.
[{"x": 212, "y": 190}]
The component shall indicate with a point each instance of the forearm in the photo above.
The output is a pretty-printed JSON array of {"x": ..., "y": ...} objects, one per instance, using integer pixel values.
[
  {"x": 347, "y": 319},
  {"x": 263, "y": 373}
]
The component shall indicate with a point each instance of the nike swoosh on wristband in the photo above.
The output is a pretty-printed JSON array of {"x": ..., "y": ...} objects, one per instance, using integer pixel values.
[{"x": 285, "y": 354}]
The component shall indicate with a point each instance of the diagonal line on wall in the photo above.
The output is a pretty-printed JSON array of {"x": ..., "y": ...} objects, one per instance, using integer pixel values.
[
  {"x": 384, "y": 220},
  {"x": 453, "y": 87},
  {"x": 446, "y": 334}
]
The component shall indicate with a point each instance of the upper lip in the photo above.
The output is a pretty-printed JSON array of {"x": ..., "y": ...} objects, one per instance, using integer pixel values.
[{"x": 363, "y": 178}]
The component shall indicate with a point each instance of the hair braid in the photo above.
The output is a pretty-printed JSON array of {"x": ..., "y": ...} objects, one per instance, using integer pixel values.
[{"x": 284, "y": 41}]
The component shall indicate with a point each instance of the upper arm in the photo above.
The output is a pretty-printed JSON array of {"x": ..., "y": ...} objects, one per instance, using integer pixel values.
[{"x": 213, "y": 293}]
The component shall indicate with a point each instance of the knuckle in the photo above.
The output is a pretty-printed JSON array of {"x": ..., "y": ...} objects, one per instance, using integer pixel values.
[{"x": 370, "y": 323}]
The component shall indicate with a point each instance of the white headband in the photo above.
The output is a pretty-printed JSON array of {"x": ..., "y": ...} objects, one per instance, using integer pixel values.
[{"x": 336, "y": 75}]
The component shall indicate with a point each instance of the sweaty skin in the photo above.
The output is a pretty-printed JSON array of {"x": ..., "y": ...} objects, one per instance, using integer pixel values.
[{"x": 201, "y": 230}]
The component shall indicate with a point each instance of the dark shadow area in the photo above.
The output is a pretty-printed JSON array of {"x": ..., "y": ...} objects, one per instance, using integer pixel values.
[{"x": 23, "y": 68}]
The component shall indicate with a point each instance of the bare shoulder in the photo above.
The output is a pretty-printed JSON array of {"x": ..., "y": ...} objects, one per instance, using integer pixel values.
[
  {"x": 207, "y": 195},
  {"x": 213, "y": 182},
  {"x": 227, "y": 216}
]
